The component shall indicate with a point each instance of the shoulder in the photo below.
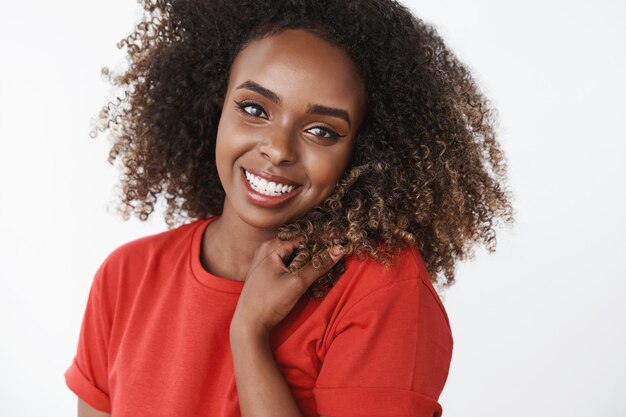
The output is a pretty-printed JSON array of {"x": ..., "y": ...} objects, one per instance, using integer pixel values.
[
  {"x": 388, "y": 309},
  {"x": 139, "y": 264},
  {"x": 367, "y": 277},
  {"x": 154, "y": 245},
  {"x": 372, "y": 274},
  {"x": 133, "y": 258},
  {"x": 364, "y": 274}
]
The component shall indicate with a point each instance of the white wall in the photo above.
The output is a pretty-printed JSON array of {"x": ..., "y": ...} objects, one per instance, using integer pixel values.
[{"x": 538, "y": 326}]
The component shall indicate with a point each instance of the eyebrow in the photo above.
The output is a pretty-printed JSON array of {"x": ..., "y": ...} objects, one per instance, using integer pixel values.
[{"x": 312, "y": 108}]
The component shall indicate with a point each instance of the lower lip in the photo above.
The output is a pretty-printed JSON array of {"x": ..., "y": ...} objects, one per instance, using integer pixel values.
[{"x": 266, "y": 200}]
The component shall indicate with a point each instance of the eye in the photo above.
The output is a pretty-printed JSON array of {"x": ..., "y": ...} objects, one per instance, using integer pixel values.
[
  {"x": 249, "y": 108},
  {"x": 325, "y": 133}
]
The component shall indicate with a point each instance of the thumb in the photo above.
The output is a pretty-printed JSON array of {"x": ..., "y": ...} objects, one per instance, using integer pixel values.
[
  {"x": 330, "y": 258},
  {"x": 309, "y": 273}
]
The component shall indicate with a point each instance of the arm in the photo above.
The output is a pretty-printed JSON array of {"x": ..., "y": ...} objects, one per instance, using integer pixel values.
[
  {"x": 261, "y": 388},
  {"x": 87, "y": 376},
  {"x": 85, "y": 410},
  {"x": 270, "y": 292}
]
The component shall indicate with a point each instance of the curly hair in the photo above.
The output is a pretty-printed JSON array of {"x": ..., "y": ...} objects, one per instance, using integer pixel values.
[{"x": 426, "y": 169}]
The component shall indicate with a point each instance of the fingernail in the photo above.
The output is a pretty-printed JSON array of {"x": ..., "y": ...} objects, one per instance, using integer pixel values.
[{"x": 336, "y": 252}]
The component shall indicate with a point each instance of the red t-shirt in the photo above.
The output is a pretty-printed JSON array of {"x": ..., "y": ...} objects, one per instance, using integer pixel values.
[{"x": 155, "y": 337}]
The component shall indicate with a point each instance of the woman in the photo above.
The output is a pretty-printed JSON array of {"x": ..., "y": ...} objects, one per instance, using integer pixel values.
[{"x": 294, "y": 133}]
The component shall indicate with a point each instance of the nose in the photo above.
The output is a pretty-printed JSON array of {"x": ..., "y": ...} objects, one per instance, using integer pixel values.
[{"x": 279, "y": 147}]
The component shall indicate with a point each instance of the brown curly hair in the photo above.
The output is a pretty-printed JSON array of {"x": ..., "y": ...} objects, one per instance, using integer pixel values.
[{"x": 426, "y": 169}]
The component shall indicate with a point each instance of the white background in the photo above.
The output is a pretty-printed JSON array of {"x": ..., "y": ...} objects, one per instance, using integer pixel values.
[{"x": 538, "y": 326}]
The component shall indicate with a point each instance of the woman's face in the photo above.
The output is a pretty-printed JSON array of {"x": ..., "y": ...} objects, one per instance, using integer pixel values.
[{"x": 292, "y": 108}]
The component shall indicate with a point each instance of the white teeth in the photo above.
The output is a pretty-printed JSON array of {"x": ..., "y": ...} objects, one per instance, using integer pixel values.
[{"x": 262, "y": 186}]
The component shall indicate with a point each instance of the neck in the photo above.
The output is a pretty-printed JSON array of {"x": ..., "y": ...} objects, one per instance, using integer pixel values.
[{"x": 229, "y": 244}]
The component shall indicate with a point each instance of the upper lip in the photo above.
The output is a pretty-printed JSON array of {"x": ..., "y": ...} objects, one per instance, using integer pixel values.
[{"x": 271, "y": 178}]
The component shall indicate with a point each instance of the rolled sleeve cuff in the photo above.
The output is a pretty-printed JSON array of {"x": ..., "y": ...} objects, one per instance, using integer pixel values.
[
  {"x": 374, "y": 402},
  {"x": 76, "y": 381}
]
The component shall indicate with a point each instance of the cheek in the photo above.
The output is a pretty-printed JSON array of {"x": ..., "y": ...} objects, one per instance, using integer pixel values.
[
  {"x": 232, "y": 137},
  {"x": 326, "y": 168},
  {"x": 226, "y": 148}
]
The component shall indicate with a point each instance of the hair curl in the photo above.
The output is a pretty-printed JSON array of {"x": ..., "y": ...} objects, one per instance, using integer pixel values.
[{"x": 426, "y": 169}]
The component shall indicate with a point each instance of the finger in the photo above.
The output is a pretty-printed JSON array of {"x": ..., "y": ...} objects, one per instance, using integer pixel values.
[
  {"x": 271, "y": 245},
  {"x": 287, "y": 247},
  {"x": 329, "y": 258}
]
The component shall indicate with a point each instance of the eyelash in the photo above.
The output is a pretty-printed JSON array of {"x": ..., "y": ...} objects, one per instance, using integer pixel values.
[{"x": 240, "y": 105}]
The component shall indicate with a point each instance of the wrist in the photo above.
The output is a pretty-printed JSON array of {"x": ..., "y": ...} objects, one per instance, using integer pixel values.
[{"x": 247, "y": 330}]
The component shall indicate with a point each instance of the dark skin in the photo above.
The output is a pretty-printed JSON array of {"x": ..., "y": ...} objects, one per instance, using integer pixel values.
[
  {"x": 282, "y": 139},
  {"x": 278, "y": 133},
  {"x": 278, "y": 130}
]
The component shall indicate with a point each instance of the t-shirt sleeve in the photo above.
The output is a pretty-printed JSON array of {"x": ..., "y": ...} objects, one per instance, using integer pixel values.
[
  {"x": 389, "y": 356},
  {"x": 87, "y": 376}
]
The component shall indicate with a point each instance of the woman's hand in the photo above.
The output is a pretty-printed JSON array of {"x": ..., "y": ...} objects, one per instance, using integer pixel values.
[{"x": 271, "y": 290}]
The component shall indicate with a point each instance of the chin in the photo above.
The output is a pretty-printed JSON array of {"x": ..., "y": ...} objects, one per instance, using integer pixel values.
[{"x": 266, "y": 221}]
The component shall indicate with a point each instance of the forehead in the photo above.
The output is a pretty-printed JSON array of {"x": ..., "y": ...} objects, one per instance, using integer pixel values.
[{"x": 296, "y": 63}]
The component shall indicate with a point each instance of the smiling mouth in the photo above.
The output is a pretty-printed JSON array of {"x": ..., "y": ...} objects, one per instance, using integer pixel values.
[
  {"x": 268, "y": 193},
  {"x": 267, "y": 188}
]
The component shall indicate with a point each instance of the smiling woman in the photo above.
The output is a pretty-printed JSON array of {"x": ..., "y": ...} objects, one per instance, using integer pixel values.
[
  {"x": 277, "y": 127},
  {"x": 333, "y": 159}
]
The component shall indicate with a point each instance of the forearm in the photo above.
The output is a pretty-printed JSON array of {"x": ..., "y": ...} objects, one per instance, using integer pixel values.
[{"x": 262, "y": 389}]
